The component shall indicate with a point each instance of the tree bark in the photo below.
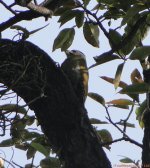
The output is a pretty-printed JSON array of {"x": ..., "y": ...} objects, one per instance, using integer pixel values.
[
  {"x": 36, "y": 78},
  {"x": 146, "y": 119}
]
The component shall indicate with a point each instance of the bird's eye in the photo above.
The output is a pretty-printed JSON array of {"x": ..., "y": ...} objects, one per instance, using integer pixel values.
[{"x": 73, "y": 51}]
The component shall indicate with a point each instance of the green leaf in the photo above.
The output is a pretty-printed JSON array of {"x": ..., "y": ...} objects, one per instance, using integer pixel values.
[
  {"x": 139, "y": 113},
  {"x": 132, "y": 12},
  {"x": 120, "y": 106},
  {"x": 66, "y": 16},
  {"x": 115, "y": 37},
  {"x": 22, "y": 146},
  {"x": 136, "y": 77},
  {"x": 79, "y": 19},
  {"x": 136, "y": 89},
  {"x": 30, "y": 135},
  {"x": 111, "y": 80},
  {"x": 105, "y": 136},
  {"x": 96, "y": 121},
  {"x": 121, "y": 102},
  {"x": 86, "y": 2},
  {"x": 50, "y": 162},
  {"x": 127, "y": 124},
  {"x": 30, "y": 152},
  {"x": 127, "y": 48},
  {"x": 71, "y": 4},
  {"x": 7, "y": 143},
  {"x": 103, "y": 58},
  {"x": 126, "y": 160},
  {"x": 97, "y": 98},
  {"x": 40, "y": 148},
  {"x": 13, "y": 108},
  {"x": 29, "y": 120},
  {"x": 140, "y": 53},
  {"x": 91, "y": 34},
  {"x": 69, "y": 41},
  {"x": 122, "y": 85},
  {"x": 65, "y": 36},
  {"x": 118, "y": 75},
  {"x": 60, "y": 11}
]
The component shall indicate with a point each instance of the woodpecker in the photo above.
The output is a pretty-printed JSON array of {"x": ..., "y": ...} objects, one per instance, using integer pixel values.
[{"x": 75, "y": 68}]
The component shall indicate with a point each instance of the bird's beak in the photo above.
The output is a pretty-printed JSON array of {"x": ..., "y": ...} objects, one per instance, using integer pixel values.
[{"x": 67, "y": 53}]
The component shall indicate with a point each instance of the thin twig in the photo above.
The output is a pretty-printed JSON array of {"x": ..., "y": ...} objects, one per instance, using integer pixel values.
[
  {"x": 7, "y": 7},
  {"x": 125, "y": 136}
]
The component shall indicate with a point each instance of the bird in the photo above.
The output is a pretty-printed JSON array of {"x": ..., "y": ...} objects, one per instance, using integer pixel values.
[{"x": 75, "y": 68}]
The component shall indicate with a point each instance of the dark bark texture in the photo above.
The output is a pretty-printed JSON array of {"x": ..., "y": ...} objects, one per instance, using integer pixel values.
[
  {"x": 146, "y": 119},
  {"x": 35, "y": 77}
]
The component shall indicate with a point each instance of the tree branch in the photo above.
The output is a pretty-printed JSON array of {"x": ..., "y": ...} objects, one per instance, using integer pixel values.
[{"x": 62, "y": 118}]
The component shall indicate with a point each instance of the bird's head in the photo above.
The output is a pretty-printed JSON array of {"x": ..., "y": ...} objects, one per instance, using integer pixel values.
[{"x": 75, "y": 54}]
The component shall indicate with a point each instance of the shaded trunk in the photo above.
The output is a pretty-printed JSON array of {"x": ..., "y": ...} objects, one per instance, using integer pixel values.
[
  {"x": 146, "y": 119},
  {"x": 35, "y": 77}
]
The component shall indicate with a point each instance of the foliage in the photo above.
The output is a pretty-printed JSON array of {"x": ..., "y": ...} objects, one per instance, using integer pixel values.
[{"x": 126, "y": 44}]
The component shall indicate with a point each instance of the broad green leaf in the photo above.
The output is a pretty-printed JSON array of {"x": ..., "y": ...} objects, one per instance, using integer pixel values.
[
  {"x": 29, "y": 120},
  {"x": 50, "y": 162},
  {"x": 7, "y": 143},
  {"x": 40, "y": 148},
  {"x": 126, "y": 160},
  {"x": 105, "y": 136},
  {"x": 13, "y": 108},
  {"x": 136, "y": 77},
  {"x": 140, "y": 53},
  {"x": 30, "y": 135},
  {"x": 139, "y": 113},
  {"x": 63, "y": 37},
  {"x": 121, "y": 102},
  {"x": 127, "y": 124},
  {"x": 104, "y": 58},
  {"x": 115, "y": 37},
  {"x": 66, "y": 16},
  {"x": 96, "y": 121},
  {"x": 30, "y": 152},
  {"x": 120, "y": 106},
  {"x": 118, "y": 75},
  {"x": 86, "y": 2},
  {"x": 17, "y": 129},
  {"x": 97, "y": 98},
  {"x": 60, "y": 11},
  {"x": 122, "y": 85},
  {"x": 22, "y": 146},
  {"x": 69, "y": 41},
  {"x": 136, "y": 89},
  {"x": 132, "y": 12},
  {"x": 127, "y": 48},
  {"x": 22, "y": 135},
  {"x": 91, "y": 34},
  {"x": 79, "y": 19},
  {"x": 111, "y": 80},
  {"x": 71, "y": 4}
]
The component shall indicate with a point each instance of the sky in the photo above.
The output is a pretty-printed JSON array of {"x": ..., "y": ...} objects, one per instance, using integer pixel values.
[{"x": 44, "y": 39}]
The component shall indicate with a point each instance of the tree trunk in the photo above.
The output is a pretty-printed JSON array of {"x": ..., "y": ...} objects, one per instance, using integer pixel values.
[
  {"x": 146, "y": 119},
  {"x": 36, "y": 78}
]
